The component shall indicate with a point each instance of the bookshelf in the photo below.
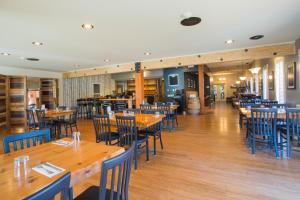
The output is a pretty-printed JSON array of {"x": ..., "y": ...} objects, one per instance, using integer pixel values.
[
  {"x": 49, "y": 90},
  {"x": 17, "y": 101},
  {"x": 152, "y": 87},
  {"x": 3, "y": 101}
]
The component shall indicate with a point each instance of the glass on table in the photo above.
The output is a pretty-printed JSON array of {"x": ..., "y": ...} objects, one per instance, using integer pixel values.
[{"x": 18, "y": 162}]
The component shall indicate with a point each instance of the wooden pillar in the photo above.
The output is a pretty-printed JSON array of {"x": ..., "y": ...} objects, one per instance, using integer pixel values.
[
  {"x": 139, "y": 85},
  {"x": 201, "y": 88}
]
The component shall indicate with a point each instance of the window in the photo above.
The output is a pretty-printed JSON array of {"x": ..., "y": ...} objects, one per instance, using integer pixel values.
[
  {"x": 279, "y": 81},
  {"x": 96, "y": 89}
]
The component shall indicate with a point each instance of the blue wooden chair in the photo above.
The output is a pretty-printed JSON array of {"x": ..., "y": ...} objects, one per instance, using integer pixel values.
[
  {"x": 59, "y": 186},
  {"x": 33, "y": 137},
  {"x": 119, "y": 168},
  {"x": 129, "y": 136},
  {"x": 290, "y": 128},
  {"x": 169, "y": 119},
  {"x": 103, "y": 129},
  {"x": 154, "y": 131},
  {"x": 146, "y": 107},
  {"x": 263, "y": 128},
  {"x": 136, "y": 111}
]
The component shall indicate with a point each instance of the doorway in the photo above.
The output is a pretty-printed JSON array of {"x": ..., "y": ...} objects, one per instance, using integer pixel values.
[{"x": 218, "y": 91}]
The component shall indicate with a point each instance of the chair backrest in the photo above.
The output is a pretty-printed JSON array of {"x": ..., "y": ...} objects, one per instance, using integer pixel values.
[
  {"x": 120, "y": 105},
  {"x": 102, "y": 128},
  {"x": 62, "y": 107},
  {"x": 41, "y": 117},
  {"x": 30, "y": 118},
  {"x": 145, "y": 106},
  {"x": 62, "y": 186},
  {"x": 135, "y": 111},
  {"x": 165, "y": 109},
  {"x": 151, "y": 111},
  {"x": 280, "y": 105},
  {"x": 29, "y": 138},
  {"x": 127, "y": 129},
  {"x": 269, "y": 103},
  {"x": 120, "y": 167},
  {"x": 293, "y": 121},
  {"x": 264, "y": 121}
]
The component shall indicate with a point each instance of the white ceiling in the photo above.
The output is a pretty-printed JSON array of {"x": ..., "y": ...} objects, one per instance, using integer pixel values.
[{"x": 124, "y": 30}]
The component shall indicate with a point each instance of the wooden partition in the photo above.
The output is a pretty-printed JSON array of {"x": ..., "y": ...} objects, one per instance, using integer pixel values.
[
  {"x": 17, "y": 101},
  {"x": 3, "y": 101},
  {"x": 49, "y": 90}
]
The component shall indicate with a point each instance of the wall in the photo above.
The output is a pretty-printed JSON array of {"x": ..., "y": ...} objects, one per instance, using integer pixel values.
[
  {"x": 14, "y": 71},
  {"x": 169, "y": 89},
  {"x": 82, "y": 87}
]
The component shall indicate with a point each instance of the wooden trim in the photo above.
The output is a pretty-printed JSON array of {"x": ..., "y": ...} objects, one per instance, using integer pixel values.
[
  {"x": 269, "y": 51},
  {"x": 139, "y": 88},
  {"x": 201, "y": 88}
]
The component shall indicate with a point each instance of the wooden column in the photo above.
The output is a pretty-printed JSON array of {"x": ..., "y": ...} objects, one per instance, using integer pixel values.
[
  {"x": 201, "y": 88},
  {"x": 139, "y": 85}
]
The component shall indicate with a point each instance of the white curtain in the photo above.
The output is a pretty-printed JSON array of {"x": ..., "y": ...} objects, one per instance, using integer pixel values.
[
  {"x": 280, "y": 88},
  {"x": 265, "y": 77}
]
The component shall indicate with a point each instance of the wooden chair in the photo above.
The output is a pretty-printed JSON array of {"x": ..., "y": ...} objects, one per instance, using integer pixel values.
[
  {"x": 135, "y": 111},
  {"x": 145, "y": 107},
  {"x": 128, "y": 136},
  {"x": 169, "y": 119},
  {"x": 103, "y": 130},
  {"x": 290, "y": 128},
  {"x": 263, "y": 128},
  {"x": 28, "y": 138},
  {"x": 120, "y": 169},
  {"x": 31, "y": 123},
  {"x": 72, "y": 122},
  {"x": 49, "y": 192},
  {"x": 154, "y": 131}
]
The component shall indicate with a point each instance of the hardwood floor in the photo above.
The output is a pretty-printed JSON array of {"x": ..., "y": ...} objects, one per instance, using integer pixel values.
[{"x": 206, "y": 158}]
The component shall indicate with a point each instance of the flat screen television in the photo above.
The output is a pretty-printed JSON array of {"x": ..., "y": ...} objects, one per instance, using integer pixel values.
[{"x": 173, "y": 79}]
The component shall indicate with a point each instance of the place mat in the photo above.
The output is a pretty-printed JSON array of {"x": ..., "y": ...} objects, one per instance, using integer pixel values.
[
  {"x": 48, "y": 169},
  {"x": 63, "y": 143}
]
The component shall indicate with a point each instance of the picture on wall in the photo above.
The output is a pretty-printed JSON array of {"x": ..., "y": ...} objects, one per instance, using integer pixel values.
[
  {"x": 173, "y": 79},
  {"x": 271, "y": 80},
  {"x": 291, "y": 76}
]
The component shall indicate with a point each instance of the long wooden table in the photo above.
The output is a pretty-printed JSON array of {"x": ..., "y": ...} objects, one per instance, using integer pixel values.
[
  {"x": 58, "y": 113},
  {"x": 82, "y": 160},
  {"x": 142, "y": 120},
  {"x": 247, "y": 113}
]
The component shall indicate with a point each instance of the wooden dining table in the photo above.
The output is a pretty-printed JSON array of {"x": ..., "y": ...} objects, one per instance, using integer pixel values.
[
  {"x": 83, "y": 160},
  {"x": 247, "y": 113},
  {"x": 172, "y": 107},
  {"x": 143, "y": 121},
  {"x": 58, "y": 113}
]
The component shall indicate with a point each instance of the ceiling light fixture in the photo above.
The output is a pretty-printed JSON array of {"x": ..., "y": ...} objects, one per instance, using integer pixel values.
[
  {"x": 37, "y": 43},
  {"x": 22, "y": 58},
  {"x": 32, "y": 59},
  {"x": 188, "y": 20},
  {"x": 106, "y": 60},
  {"x": 238, "y": 82},
  {"x": 5, "y": 54},
  {"x": 256, "y": 37},
  {"x": 87, "y": 26},
  {"x": 254, "y": 70},
  {"x": 242, "y": 78},
  {"x": 147, "y": 53},
  {"x": 229, "y": 41}
]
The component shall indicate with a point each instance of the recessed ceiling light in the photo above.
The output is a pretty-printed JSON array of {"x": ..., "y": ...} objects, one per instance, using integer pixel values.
[
  {"x": 190, "y": 21},
  {"x": 32, "y": 59},
  {"x": 147, "y": 53},
  {"x": 106, "y": 60},
  {"x": 87, "y": 26},
  {"x": 22, "y": 58},
  {"x": 37, "y": 43},
  {"x": 229, "y": 41},
  {"x": 5, "y": 54},
  {"x": 256, "y": 37}
]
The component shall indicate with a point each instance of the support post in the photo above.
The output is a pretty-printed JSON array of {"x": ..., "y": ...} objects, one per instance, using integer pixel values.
[
  {"x": 139, "y": 85},
  {"x": 201, "y": 88}
]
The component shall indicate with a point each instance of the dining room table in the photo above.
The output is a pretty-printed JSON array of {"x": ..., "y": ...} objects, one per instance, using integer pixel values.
[
  {"x": 82, "y": 159},
  {"x": 55, "y": 113},
  {"x": 247, "y": 113},
  {"x": 143, "y": 121},
  {"x": 172, "y": 107}
]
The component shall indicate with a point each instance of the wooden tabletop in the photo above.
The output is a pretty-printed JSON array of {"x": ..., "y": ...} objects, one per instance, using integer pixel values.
[
  {"x": 142, "y": 120},
  {"x": 247, "y": 113},
  {"x": 82, "y": 160},
  {"x": 58, "y": 113}
]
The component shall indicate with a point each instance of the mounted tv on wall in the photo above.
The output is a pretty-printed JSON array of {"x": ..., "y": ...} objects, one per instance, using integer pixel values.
[{"x": 173, "y": 79}]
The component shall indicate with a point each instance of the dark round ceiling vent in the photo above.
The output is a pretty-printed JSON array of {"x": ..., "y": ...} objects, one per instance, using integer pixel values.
[
  {"x": 32, "y": 59},
  {"x": 191, "y": 21},
  {"x": 256, "y": 37}
]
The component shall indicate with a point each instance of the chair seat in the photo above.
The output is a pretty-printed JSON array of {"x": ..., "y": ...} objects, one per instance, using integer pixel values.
[{"x": 92, "y": 193}]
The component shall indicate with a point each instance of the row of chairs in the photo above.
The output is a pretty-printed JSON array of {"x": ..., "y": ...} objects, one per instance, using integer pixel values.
[
  {"x": 265, "y": 126},
  {"x": 119, "y": 166},
  {"x": 127, "y": 132},
  {"x": 55, "y": 125}
]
